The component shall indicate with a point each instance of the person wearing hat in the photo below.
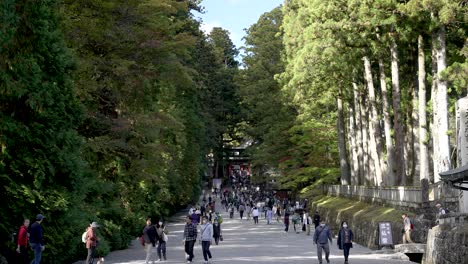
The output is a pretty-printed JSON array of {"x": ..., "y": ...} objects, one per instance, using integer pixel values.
[
  {"x": 36, "y": 239},
  {"x": 91, "y": 242}
]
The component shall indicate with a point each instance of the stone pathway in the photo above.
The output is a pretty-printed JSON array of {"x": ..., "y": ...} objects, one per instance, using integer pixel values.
[{"x": 245, "y": 243}]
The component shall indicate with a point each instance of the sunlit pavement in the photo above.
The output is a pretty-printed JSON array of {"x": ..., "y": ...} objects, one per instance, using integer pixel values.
[{"x": 245, "y": 242}]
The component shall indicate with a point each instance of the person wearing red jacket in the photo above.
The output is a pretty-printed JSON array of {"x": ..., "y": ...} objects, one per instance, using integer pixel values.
[{"x": 23, "y": 237}]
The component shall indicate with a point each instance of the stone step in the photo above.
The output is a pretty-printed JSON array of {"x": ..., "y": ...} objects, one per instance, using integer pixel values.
[{"x": 411, "y": 248}]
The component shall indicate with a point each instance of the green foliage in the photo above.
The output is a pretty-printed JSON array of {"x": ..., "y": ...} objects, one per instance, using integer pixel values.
[
  {"x": 111, "y": 128},
  {"x": 41, "y": 168}
]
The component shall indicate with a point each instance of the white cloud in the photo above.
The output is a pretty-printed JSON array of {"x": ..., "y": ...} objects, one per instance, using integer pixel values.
[{"x": 208, "y": 26}]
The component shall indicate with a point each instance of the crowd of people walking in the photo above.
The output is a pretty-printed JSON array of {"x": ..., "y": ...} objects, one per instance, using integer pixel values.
[
  {"x": 203, "y": 224},
  {"x": 204, "y": 221}
]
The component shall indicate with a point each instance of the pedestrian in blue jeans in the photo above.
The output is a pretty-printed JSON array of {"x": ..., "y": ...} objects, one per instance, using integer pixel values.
[
  {"x": 36, "y": 239},
  {"x": 345, "y": 240}
]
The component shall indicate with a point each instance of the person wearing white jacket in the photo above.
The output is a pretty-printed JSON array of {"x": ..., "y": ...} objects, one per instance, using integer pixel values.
[
  {"x": 206, "y": 234},
  {"x": 255, "y": 214}
]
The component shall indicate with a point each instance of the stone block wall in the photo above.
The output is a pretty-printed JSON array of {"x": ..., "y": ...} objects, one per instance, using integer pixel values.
[
  {"x": 363, "y": 218},
  {"x": 447, "y": 244}
]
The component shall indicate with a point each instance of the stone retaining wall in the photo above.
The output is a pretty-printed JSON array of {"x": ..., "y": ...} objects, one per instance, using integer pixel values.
[
  {"x": 447, "y": 243},
  {"x": 420, "y": 200},
  {"x": 364, "y": 218}
]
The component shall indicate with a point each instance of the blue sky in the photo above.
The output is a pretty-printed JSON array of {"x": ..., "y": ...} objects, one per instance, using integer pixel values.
[{"x": 234, "y": 15}]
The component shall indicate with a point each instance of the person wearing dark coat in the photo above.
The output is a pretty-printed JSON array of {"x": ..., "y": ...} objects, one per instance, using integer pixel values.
[
  {"x": 286, "y": 222},
  {"x": 216, "y": 231},
  {"x": 345, "y": 240},
  {"x": 316, "y": 219}
]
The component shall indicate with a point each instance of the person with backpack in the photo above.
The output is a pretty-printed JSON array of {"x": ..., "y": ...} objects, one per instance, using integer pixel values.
[
  {"x": 36, "y": 239},
  {"x": 151, "y": 237},
  {"x": 91, "y": 242},
  {"x": 190, "y": 237},
  {"x": 22, "y": 242},
  {"x": 206, "y": 235},
  {"x": 407, "y": 229},
  {"x": 345, "y": 240},
  {"x": 162, "y": 240}
]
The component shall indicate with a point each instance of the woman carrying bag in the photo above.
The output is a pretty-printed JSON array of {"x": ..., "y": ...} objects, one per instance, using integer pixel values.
[
  {"x": 345, "y": 240},
  {"x": 162, "y": 239}
]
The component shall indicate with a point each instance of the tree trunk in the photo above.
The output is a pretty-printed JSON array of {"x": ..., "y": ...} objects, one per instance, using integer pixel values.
[
  {"x": 345, "y": 176},
  {"x": 353, "y": 147},
  {"x": 397, "y": 122},
  {"x": 359, "y": 135},
  {"x": 411, "y": 142},
  {"x": 387, "y": 109},
  {"x": 367, "y": 162},
  {"x": 374, "y": 126},
  {"x": 415, "y": 162},
  {"x": 442, "y": 160},
  {"x": 423, "y": 148},
  {"x": 433, "y": 128}
]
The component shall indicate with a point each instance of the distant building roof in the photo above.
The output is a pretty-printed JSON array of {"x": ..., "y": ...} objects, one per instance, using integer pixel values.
[{"x": 456, "y": 177}]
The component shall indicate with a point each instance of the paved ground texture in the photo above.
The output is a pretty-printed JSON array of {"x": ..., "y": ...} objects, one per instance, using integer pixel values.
[{"x": 245, "y": 243}]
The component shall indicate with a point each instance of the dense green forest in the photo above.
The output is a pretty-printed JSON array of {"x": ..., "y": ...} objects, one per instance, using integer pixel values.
[
  {"x": 361, "y": 92},
  {"x": 110, "y": 109}
]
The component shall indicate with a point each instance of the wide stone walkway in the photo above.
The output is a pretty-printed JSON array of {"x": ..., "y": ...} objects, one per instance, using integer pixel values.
[{"x": 245, "y": 243}]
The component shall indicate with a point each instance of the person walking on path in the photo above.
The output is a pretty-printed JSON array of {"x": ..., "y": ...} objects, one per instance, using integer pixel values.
[
  {"x": 274, "y": 210},
  {"x": 22, "y": 247},
  {"x": 306, "y": 222},
  {"x": 321, "y": 237},
  {"x": 91, "y": 242},
  {"x": 241, "y": 210},
  {"x": 296, "y": 219},
  {"x": 407, "y": 229},
  {"x": 190, "y": 236},
  {"x": 36, "y": 239},
  {"x": 248, "y": 209},
  {"x": 269, "y": 215},
  {"x": 278, "y": 214},
  {"x": 206, "y": 235},
  {"x": 231, "y": 211},
  {"x": 216, "y": 231},
  {"x": 150, "y": 236},
  {"x": 255, "y": 214},
  {"x": 162, "y": 239},
  {"x": 316, "y": 219},
  {"x": 286, "y": 222},
  {"x": 345, "y": 240}
]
